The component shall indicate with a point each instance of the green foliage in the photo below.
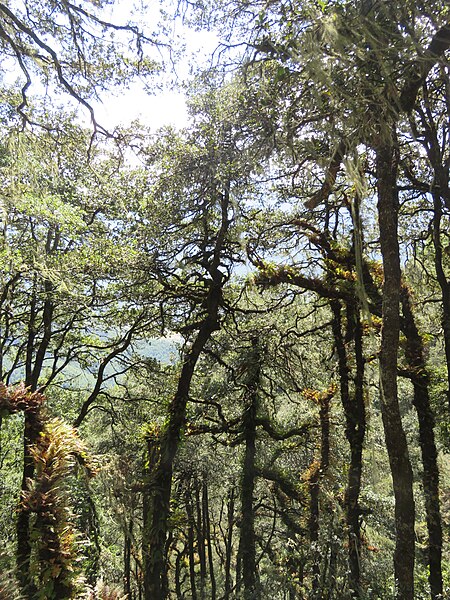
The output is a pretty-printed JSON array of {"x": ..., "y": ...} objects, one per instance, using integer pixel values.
[{"x": 106, "y": 281}]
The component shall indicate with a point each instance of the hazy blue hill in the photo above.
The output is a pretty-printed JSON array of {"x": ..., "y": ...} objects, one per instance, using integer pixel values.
[{"x": 164, "y": 350}]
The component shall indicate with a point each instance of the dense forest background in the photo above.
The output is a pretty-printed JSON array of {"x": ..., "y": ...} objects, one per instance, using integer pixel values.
[{"x": 225, "y": 349}]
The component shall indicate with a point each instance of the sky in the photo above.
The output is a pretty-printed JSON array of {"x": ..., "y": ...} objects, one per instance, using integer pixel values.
[
  {"x": 164, "y": 108},
  {"x": 167, "y": 107},
  {"x": 155, "y": 107}
]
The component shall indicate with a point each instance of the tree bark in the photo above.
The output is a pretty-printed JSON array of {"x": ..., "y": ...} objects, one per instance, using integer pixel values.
[
  {"x": 33, "y": 427},
  {"x": 355, "y": 417},
  {"x": 161, "y": 481},
  {"x": 201, "y": 543},
  {"x": 229, "y": 545},
  {"x": 443, "y": 283},
  {"x": 127, "y": 559},
  {"x": 207, "y": 526},
  {"x": 397, "y": 448},
  {"x": 153, "y": 457},
  {"x": 355, "y": 471},
  {"x": 190, "y": 543},
  {"x": 430, "y": 473},
  {"x": 247, "y": 543},
  {"x": 318, "y": 469},
  {"x": 34, "y": 361}
]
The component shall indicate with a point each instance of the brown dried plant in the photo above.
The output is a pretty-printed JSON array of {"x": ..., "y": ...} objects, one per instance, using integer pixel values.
[
  {"x": 102, "y": 591},
  {"x": 55, "y": 455},
  {"x": 19, "y": 398}
]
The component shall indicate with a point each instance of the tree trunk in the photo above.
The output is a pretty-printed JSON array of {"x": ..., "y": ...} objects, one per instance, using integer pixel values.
[
  {"x": 247, "y": 530},
  {"x": 229, "y": 546},
  {"x": 402, "y": 479},
  {"x": 443, "y": 283},
  {"x": 430, "y": 474},
  {"x": 356, "y": 451},
  {"x": 127, "y": 559},
  {"x": 33, "y": 427},
  {"x": 355, "y": 418},
  {"x": 177, "y": 575},
  {"x": 34, "y": 361},
  {"x": 207, "y": 527},
  {"x": 151, "y": 464},
  {"x": 29, "y": 438},
  {"x": 201, "y": 543},
  {"x": 317, "y": 471},
  {"x": 161, "y": 480},
  {"x": 190, "y": 542}
]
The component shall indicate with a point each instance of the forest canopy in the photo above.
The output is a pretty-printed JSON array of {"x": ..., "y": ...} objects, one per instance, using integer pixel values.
[{"x": 225, "y": 348}]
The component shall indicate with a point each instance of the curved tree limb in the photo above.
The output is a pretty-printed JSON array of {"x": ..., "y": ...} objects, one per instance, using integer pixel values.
[{"x": 439, "y": 44}]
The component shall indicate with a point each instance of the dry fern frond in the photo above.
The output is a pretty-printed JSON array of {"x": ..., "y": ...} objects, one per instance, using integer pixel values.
[
  {"x": 102, "y": 591},
  {"x": 55, "y": 455},
  {"x": 19, "y": 398}
]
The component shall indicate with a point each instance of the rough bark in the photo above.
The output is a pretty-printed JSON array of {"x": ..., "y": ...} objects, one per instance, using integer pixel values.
[
  {"x": 177, "y": 575},
  {"x": 430, "y": 474},
  {"x": 318, "y": 469},
  {"x": 247, "y": 544},
  {"x": 419, "y": 70},
  {"x": 441, "y": 195},
  {"x": 152, "y": 460},
  {"x": 34, "y": 361},
  {"x": 127, "y": 558},
  {"x": 201, "y": 541},
  {"x": 354, "y": 410},
  {"x": 161, "y": 481},
  {"x": 356, "y": 438},
  {"x": 443, "y": 284},
  {"x": 190, "y": 544},
  {"x": 229, "y": 545},
  {"x": 32, "y": 429},
  {"x": 396, "y": 444},
  {"x": 207, "y": 527}
]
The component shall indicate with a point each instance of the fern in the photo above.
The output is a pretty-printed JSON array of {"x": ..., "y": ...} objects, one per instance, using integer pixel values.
[{"x": 55, "y": 455}]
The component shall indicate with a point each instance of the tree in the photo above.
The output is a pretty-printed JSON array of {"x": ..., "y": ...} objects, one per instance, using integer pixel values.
[
  {"x": 291, "y": 245},
  {"x": 192, "y": 272},
  {"x": 72, "y": 46},
  {"x": 361, "y": 49},
  {"x": 59, "y": 289}
]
